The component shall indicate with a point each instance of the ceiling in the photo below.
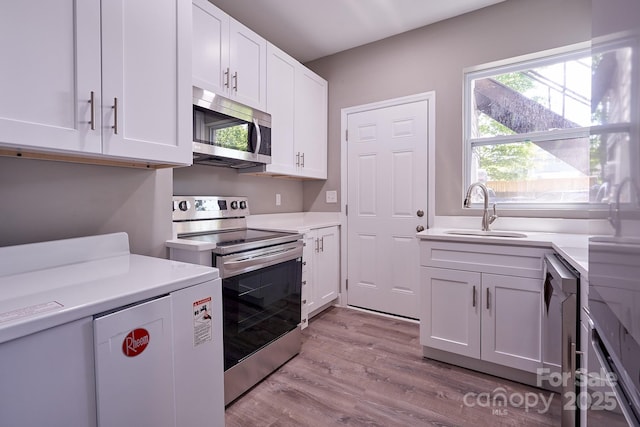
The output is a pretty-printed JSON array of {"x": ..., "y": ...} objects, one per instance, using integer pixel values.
[{"x": 311, "y": 29}]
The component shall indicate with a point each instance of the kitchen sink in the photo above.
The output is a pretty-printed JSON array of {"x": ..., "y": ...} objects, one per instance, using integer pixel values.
[{"x": 490, "y": 233}]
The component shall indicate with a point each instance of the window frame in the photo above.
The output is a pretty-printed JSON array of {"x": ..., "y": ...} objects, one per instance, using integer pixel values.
[{"x": 538, "y": 59}]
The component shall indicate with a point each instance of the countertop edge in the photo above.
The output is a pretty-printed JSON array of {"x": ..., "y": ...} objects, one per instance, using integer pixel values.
[{"x": 40, "y": 322}]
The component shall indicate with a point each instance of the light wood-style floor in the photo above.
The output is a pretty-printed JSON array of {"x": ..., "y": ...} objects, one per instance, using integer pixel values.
[{"x": 362, "y": 369}]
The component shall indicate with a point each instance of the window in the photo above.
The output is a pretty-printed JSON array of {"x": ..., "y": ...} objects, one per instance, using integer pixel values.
[{"x": 527, "y": 130}]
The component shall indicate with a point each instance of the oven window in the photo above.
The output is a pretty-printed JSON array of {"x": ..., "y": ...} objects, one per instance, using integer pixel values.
[{"x": 259, "y": 307}]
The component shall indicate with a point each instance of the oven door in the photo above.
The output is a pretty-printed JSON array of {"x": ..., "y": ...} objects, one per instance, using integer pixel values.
[{"x": 261, "y": 298}]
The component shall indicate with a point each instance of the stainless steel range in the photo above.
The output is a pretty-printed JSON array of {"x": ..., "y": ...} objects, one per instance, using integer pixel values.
[{"x": 261, "y": 275}]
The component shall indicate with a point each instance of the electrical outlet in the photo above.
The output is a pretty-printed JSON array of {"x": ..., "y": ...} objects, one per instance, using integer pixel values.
[
  {"x": 332, "y": 196},
  {"x": 278, "y": 199}
]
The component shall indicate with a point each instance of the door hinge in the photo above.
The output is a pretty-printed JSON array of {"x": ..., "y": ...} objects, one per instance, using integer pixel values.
[
  {"x": 346, "y": 210},
  {"x": 346, "y": 135},
  {"x": 346, "y": 285}
]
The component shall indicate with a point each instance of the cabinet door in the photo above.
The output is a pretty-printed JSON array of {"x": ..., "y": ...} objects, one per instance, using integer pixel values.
[
  {"x": 308, "y": 266},
  {"x": 47, "y": 378},
  {"x": 326, "y": 266},
  {"x": 511, "y": 321},
  {"x": 210, "y": 47},
  {"x": 51, "y": 65},
  {"x": 146, "y": 80},
  {"x": 311, "y": 123},
  {"x": 281, "y": 78},
  {"x": 450, "y": 311},
  {"x": 248, "y": 65},
  {"x": 136, "y": 342}
]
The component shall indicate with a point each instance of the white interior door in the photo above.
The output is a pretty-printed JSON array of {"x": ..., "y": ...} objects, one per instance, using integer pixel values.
[{"x": 387, "y": 192}]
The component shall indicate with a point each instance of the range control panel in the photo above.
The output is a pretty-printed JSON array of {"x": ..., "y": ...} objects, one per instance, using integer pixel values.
[{"x": 186, "y": 208}]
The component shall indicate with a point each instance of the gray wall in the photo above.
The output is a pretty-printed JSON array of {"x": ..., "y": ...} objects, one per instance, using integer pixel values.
[
  {"x": 44, "y": 200},
  {"x": 432, "y": 59},
  {"x": 261, "y": 190}
]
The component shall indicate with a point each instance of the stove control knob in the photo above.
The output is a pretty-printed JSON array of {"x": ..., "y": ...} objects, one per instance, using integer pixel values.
[
  {"x": 184, "y": 205},
  {"x": 234, "y": 204},
  {"x": 243, "y": 204}
]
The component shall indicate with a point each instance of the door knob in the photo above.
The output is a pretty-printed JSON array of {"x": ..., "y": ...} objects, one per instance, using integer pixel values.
[
  {"x": 419, "y": 228},
  {"x": 420, "y": 213}
]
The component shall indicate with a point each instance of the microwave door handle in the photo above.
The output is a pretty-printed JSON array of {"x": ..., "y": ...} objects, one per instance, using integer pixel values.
[{"x": 255, "y": 123}]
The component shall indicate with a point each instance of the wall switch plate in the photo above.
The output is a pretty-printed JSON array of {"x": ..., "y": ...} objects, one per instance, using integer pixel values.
[
  {"x": 278, "y": 199},
  {"x": 332, "y": 196}
]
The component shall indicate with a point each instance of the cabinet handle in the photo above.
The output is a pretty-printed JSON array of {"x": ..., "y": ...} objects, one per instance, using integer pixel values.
[
  {"x": 298, "y": 159},
  {"x": 317, "y": 245},
  {"x": 488, "y": 296},
  {"x": 115, "y": 115},
  {"x": 474, "y": 296},
  {"x": 304, "y": 282},
  {"x": 235, "y": 81},
  {"x": 304, "y": 301},
  {"x": 322, "y": 244},
  {"x": 92, "y": 120},
  {"x": 302, "y": 158},
  {"x": 226, "y": 78}
]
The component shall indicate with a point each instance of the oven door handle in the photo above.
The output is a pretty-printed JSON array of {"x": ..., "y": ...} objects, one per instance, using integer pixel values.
[{"x": 259, "y": 259}]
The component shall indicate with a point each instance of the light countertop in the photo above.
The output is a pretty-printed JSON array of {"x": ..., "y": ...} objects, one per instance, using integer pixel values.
[
  {"x": 297, "y": 222},
  {"x": 572, "y": 247}
]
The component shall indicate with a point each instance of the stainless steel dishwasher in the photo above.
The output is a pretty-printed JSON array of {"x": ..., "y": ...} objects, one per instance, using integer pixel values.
[{"x": 561, "y": 285}]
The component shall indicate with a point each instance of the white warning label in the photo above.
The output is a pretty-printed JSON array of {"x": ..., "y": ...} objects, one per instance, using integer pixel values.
[
  {"x": 202, "y": 322},
  {"x": 29, "y": 311}
]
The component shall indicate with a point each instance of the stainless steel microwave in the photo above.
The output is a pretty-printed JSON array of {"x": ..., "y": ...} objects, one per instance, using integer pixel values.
[{"x": 227, "y": 133}]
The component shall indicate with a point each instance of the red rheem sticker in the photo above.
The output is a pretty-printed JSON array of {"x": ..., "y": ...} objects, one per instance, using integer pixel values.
[{"x": 135, "y": 342}]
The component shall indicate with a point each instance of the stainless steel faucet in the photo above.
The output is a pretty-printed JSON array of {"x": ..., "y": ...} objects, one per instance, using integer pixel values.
[
  {"x": 614, "y": 213},
  {"x": 487, "y": 219}
]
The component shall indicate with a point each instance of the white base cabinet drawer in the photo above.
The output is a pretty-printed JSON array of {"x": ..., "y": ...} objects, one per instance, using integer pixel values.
[{"x": 509, "y": 260}]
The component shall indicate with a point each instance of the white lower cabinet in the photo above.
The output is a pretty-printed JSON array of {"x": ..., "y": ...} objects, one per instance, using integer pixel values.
[
  {"x": 320, "y": 270},
  {"x": 486, "y": 304}
]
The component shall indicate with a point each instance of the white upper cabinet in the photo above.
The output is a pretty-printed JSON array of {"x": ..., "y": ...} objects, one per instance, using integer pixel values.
[
  {"x": 51, "y": 65},
  {"x": 146, "y": 72},
  {"x": 311, "y": 123},
  {"x": 297, "y": 102},
  {"x": 281, "y": 95},
  {"x": 210, "y": 40},
  {"x": 110, "y": 82},
  {"x": 228, "y": 58}
]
